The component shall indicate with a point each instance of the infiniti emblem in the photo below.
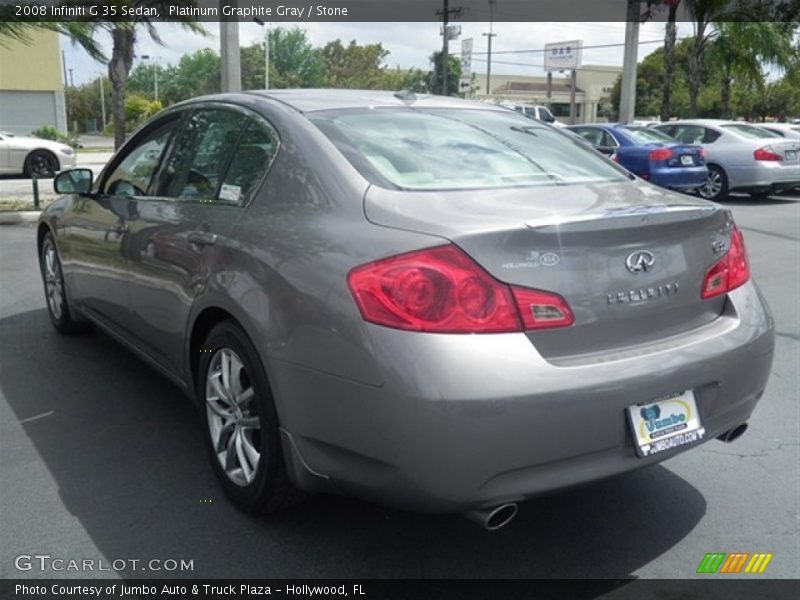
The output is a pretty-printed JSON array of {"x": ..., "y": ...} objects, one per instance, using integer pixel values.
[{"x": 641, "y": 260}]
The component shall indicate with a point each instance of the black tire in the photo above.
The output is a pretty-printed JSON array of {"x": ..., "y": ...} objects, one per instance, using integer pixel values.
[
  {"x": 716, "y": 189},
  {"x": 269, "y": 488},
  {"x": 62, "y": 315},
  {"x": 41, "y": 164}
]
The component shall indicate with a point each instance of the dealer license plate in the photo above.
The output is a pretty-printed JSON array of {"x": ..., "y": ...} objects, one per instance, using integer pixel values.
[
  {"x": 686, "y": 160},
  {"x": 665, "y": 423}
]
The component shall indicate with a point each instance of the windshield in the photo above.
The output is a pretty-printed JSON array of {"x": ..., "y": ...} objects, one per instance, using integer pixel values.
[
  {"x": 418, "y": 149},
  {"x": 751, "y": 132},
  {"x": 642, "y": 135}
]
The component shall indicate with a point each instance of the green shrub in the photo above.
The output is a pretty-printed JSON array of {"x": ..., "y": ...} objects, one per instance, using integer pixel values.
[{"x": 47, "y": 132}]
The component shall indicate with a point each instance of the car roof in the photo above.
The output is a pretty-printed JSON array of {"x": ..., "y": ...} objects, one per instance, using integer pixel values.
[{"x": 310, "y": 100}]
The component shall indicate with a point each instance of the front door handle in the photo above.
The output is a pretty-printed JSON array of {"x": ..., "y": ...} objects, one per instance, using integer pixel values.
[{"x": 202, "y": 238}]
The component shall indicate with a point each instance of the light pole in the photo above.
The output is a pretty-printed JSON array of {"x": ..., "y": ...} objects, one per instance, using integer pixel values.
[
  {"x": 490, "y": 35},
  {"x": 265, "y": 25},
  {"x": 155, "y": 74}
]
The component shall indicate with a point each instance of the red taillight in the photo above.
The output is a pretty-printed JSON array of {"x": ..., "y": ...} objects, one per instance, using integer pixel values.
[
  {"x": 730, "y": 272},
  {"x": 766, "y": 153},
  {"x": 703, "y": 153},
  {"x": 661, "y": 154},
  {"x": 443, "y": 290}
]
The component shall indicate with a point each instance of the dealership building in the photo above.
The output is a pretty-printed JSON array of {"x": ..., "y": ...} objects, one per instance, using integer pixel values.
[
  {"x": 593, "y": 89},
  {"x": 31, "y": 86}
]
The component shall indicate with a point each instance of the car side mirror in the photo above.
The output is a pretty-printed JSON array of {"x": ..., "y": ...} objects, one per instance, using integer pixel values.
[{"x": 74, "y": 181}]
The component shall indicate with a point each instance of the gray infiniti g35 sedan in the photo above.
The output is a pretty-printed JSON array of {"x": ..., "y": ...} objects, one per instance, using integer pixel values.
[{"x": 421, "y": 301}]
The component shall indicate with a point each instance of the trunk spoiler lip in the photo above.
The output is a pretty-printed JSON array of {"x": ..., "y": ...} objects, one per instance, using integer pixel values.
[{"x": 625, "y": 217}]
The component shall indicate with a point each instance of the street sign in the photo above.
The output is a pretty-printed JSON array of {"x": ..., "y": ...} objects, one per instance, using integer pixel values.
[
  {"x": 563, "y": 56},
  {"x": 465, "y": 81}
]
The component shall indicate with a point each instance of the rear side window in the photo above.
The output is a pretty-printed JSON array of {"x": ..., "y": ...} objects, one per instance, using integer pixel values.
[
  {"x": 253, "y": 156},
  {"x": 202, "y": 149},
  {"x": 642, "y": 135},
  {"x": 750, "y": 132},
  {"x": 418, "y": 149}
]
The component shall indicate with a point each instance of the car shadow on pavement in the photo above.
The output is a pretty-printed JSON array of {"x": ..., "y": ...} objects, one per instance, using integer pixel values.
[{"x": 126, "y": 451}]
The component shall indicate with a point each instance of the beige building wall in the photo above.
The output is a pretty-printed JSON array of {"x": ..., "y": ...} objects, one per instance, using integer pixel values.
[
  {"x": 593, "y": 85},
  {"x": 31, "y": 84}
]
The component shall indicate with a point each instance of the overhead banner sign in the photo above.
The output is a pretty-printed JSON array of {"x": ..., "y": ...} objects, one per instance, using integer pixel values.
[
  {"x": 466, "y": 66},
  {"x": 563, "y": 56}
]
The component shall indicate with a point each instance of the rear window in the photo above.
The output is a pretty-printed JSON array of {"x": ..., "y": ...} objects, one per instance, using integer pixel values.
[
  {"x": 419, "y": 149},
  {"x": 642, "y": 135},
  {"x": 751, "y": 132}
]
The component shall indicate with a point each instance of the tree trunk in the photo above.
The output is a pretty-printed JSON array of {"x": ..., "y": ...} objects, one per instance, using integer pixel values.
[
  {"x": 669, "y": 62},
  {"x": 696, "y": 66},
  {"x": 119, "y": 67},
  {"x": 725, "y": 96}
]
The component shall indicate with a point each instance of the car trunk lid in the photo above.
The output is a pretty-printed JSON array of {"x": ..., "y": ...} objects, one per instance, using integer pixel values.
[{"x": 628, "y": 258}]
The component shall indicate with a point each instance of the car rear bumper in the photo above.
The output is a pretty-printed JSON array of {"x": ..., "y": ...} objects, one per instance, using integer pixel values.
[
  {"x": 463, "y": 422},
  {"x": 765, "y": 176},
  {"x": 680, "y": 178}
]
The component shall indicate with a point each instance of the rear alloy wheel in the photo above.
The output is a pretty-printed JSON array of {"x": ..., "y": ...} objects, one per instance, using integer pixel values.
[
  {"x": 716, "y": 186},
  {"x": 41, "y": 164},
  {"x": 241, "y": 422},
  {"x": 61, "y": 314}
]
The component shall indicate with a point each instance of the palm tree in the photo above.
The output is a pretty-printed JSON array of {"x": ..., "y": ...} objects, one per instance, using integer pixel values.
[
  {"x": 123, "y": 36},
  {"x": 669, "y": 59},
  {"x": 741, "y": 49},
  {"x": 704, "y": 13},
  {"x": 710, "y": 15}
]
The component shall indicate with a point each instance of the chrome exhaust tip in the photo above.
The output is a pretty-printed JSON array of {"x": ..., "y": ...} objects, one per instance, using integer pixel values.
[
  {"x": 733, "y": 434},
  {"x": 492, "y": 519}
]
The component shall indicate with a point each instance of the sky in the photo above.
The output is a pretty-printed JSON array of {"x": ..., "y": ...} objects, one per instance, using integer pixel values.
[{"x": 409, "y": 44}]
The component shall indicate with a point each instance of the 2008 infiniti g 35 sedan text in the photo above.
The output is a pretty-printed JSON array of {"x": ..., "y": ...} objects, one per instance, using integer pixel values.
[{"x": 422, "y": 301}]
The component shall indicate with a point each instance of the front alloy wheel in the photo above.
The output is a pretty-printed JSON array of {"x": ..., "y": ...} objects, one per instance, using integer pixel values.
[{"x": 62, "y": 315}]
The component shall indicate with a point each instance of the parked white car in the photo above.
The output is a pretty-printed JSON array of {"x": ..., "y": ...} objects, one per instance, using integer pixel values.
[
  {"x": 740, "y": 156},
  {"x": 32, "y": 156},
  {"x": 538, "y": 112}
]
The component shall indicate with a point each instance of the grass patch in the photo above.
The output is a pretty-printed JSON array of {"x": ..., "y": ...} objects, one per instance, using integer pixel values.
[
  {"x": 95, "y": 149},
  {"x": 19, "y": 204}
]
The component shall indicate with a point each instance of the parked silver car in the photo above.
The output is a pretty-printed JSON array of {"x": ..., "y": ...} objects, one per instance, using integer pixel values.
[
  {"x": 32, "y": 156},
  {"x": 427, "y": 302},
  {"x": 740, "y": 156}
]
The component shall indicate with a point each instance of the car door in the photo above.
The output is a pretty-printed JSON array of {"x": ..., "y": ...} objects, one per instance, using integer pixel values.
[
  {"x": 181, "y": 233},
  {"x": 97, "y": 237}
]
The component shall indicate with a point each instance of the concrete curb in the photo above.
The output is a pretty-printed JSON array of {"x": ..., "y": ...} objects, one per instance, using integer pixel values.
[{"x": 19, "y": 217}]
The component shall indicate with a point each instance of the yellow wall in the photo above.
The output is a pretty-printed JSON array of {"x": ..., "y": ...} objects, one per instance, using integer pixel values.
[{"x": 31, "y": 66}]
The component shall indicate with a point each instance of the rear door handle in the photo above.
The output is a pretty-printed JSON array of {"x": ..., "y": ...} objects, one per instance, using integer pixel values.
[{"x": 202, "y": 238}]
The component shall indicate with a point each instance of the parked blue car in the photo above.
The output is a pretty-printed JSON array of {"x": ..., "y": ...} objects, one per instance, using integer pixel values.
[{"x": 650, "y": 154}]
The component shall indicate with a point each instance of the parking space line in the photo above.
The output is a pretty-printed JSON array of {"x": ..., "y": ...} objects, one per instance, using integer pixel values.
[{"x": 37, "y": 417}]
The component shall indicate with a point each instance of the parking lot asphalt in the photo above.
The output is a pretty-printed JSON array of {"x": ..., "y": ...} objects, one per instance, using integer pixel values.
[{"x": 102, "y": 459}]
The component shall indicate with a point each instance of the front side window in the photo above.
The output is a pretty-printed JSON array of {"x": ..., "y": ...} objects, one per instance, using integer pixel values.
[
  {"x": 134, "y": 173},
  {"x": 202, "y": 149},
  {"x": 432, "y": 149}
]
